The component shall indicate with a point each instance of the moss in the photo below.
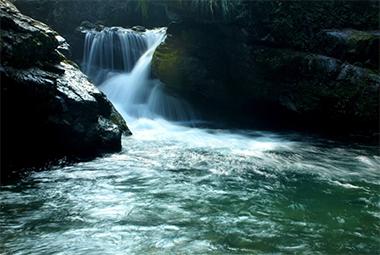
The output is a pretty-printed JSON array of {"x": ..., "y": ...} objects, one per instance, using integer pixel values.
[
  {"x": 358, "y": 36},
  {"x": 166, "y": 64}
]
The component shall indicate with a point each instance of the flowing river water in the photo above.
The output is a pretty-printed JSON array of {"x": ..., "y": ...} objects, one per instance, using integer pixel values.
[{"x": 175, "y": 189}]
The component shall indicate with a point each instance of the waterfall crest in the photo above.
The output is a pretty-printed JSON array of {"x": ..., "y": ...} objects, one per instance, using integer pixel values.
[
  {"x": 112, "y": 49},
  {"x": 118, "y": 61}
]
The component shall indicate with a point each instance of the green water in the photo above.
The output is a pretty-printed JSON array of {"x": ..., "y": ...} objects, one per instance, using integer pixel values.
[{"x": 177, "y": 190}]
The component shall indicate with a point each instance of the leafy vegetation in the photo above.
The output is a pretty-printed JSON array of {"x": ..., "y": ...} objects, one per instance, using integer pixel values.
[
  {"x": 225, "y": 7},
  {"x": 207, "y": 8},
  {"x": 297, "y": 24}
]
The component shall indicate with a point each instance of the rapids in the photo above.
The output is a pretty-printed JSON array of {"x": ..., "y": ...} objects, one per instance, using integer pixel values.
[{"x": 181, "y": 190}]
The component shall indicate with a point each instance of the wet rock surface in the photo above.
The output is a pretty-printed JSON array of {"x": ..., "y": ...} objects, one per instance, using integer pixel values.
[
  {"x": 49, "y": 109},
  {"x": 276, "y": 86}
]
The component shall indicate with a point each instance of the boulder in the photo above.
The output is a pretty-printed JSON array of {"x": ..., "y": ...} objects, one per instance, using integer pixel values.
[
  {"x": 49, "y": 109},
  {"x": 354, "y": 46},
  {"x": 202, "y": 59},
  {"x": 139, "y": 28},
  {"x": 320, "y": 87}
]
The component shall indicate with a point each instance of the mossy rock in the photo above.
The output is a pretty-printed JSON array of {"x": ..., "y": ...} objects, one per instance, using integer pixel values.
[
  {"x": 166, "y": 64},
  {"x": 319, "y": 84},
  {"x": 354, "y": 46}
]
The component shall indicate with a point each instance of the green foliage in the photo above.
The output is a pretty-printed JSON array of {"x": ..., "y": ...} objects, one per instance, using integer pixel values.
[
  {"x": 296, "y": 24},
  {"x": 143, "y": 6},
  {"x": 207, "y": 8},
  {"x": 225, "y": 7}
]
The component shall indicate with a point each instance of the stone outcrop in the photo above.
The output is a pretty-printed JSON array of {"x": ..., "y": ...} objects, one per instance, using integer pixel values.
[
  {"x": 354, "y": 46},
  {"x": 49, "y": 109},
  {"x": 279, "y": 86}
]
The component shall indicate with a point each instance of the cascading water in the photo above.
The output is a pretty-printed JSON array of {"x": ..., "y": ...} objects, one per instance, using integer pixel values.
[
  {"x": 118, "y": 61},
  {"x": 112, "y": 50}
]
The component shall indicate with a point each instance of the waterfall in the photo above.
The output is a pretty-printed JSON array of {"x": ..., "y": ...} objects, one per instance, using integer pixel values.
[
  {"x": 112, "y": 49},
  {"x": 118, "y": 61}
]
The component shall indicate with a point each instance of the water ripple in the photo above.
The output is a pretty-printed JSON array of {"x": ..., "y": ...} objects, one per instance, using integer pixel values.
[{"x": 179, "y": 190}]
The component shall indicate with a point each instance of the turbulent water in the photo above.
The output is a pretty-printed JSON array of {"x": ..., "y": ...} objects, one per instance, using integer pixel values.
[
  {"x": 179, "y": 190},
  {"x": 183, "y": 190}
]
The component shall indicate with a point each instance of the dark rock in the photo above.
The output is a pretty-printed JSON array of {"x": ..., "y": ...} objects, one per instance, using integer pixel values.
[
  {"x": 297, "y": 24},
  {"x": 85, "y": 26},
  {"x": 322, "y": 87},
  {"x": 26, "y": 41},
  {"x": 195, "y": 60},
  {"x": 275, "y": 86},
  {"x": 139, "y": 28},
  {"x": 351, "y": 45},
  {"x": 49, "y": 109}
]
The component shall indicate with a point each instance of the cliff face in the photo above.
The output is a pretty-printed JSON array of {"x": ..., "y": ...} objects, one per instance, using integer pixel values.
[{"x": 49, "y": 109}]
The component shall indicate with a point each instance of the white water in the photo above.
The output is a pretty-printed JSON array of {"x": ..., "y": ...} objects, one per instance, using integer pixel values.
[
  {"x": 131, "y": 90},
  {"x": 112, "y": 50}
]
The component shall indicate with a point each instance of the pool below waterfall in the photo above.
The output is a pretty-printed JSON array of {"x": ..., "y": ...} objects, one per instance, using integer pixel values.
[{"x": 181, "y": 190}]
